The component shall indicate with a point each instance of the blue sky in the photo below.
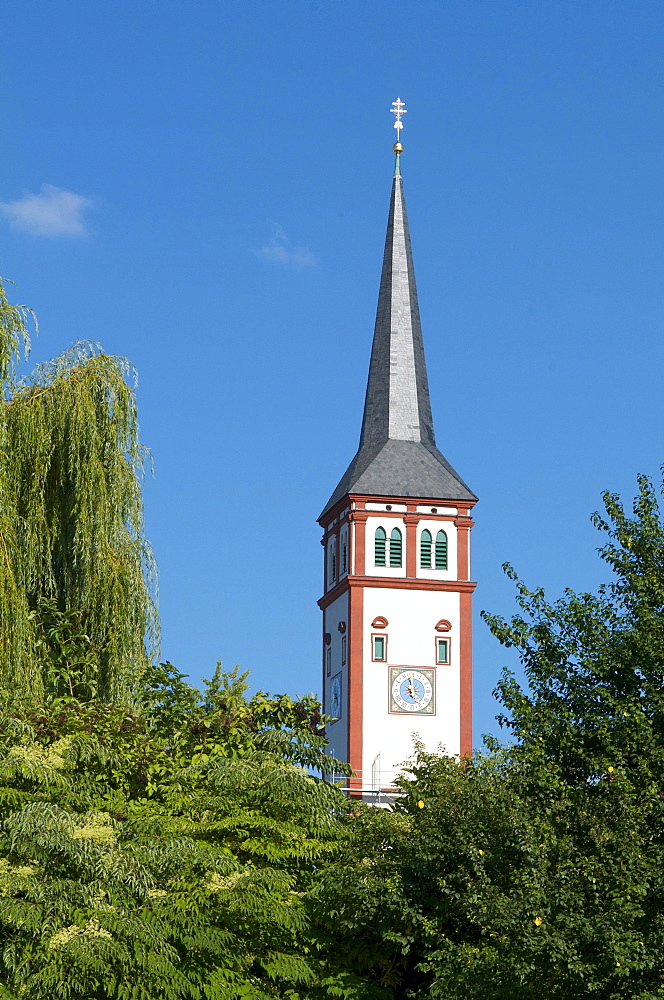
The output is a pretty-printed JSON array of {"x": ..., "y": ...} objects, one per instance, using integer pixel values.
[{"x": 203, "y": 187}]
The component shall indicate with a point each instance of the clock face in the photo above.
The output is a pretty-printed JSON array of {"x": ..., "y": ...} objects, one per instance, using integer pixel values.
[
  {"x": 335, "y": 696},
  {"x": 412, "y": 690}
]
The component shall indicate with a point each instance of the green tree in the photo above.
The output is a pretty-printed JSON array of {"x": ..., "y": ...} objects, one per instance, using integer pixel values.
[
  {"x": 76, "y": 573},
  {"x": 154, "y": 860},
  {"x": 535, "y": 869}
]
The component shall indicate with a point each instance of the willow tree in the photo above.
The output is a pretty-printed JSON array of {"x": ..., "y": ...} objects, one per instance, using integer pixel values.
[{"x": 77, "y": 608}]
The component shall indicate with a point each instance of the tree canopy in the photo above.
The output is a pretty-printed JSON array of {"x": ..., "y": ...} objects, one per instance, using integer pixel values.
[
  {"x": 164, "y": 855},
  {"x": 536, "y": 868},
  {"x": 77, "y": 578}
]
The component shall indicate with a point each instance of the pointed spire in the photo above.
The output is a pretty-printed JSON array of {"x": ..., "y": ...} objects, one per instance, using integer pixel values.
[
  {"x": 397, "y": 454},
  {"x": 397, "y": 403}
]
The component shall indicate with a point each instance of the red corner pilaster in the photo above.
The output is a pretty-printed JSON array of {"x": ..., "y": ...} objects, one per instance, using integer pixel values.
[
  {"x": 466, "y": 674},
  {"x": 463, "y": 526},
  {"x": 359, "y": 519},
  {"x": 411, "y": 544},
  {"x": 355, "y": 641}
]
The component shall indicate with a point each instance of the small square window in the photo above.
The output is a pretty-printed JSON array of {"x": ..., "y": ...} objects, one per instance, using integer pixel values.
[
  {"x": 442, "y": 650},
  {"x": 343, "y": 648},
  {"x": 379, "y": 647},
  {"x": 328, "y": 661}
]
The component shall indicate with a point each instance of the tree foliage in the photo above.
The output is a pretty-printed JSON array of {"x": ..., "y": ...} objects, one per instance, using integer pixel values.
[
  {"x": 142, "y": 860},
  {"x": 536, "y": 869},
  {"x": 73, "y": 559}
]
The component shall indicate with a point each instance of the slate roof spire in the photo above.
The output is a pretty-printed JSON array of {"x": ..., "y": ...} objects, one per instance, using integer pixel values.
[
  {"x": 397, "y": 403},
  {"x": 398, "y": 454}
]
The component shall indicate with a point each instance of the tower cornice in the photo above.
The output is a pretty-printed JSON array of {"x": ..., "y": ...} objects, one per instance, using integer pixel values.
[
  {"x": 396, "y": 583},
  {"x": 359, "y": 512}
]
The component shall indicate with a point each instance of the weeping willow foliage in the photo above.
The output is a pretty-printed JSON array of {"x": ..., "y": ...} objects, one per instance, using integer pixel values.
[{"x": 77, "y": 578}]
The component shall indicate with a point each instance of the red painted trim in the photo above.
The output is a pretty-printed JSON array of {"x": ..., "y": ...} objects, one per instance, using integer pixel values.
[
  {"x": 359, "y": 499},
  {"x": 396, "y": 583},
  {"x": 411, "y": 544},
  {"x": 463, "y": 547},
  {"x": 351, "y": 547},
  {"x": 380, "y": 621},
  {"x": 360, "y": 522},
  {"x": 355, "y": 668},
  {"x": 466, "y": 673},
  {"x": 332, "y": 595},
  {"x": 379, "y": 635}
]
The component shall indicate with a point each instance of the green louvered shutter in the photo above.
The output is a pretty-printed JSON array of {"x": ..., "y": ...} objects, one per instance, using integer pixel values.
[
  {"x": 425, "y": 549},
  {"x": 441, "y": 550},
  {"x": 395, "y": 547},
  {"x": 380, "y": 539}
]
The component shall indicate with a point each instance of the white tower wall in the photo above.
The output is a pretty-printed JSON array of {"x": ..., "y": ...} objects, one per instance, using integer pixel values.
[{"x": 412, "y": 616}]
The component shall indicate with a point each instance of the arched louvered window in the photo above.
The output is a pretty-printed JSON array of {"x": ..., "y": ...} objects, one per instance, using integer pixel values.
[
  {"x": 344, "y": 554},
  {"x": 441, "y": 550},
  {"x": 425, "y": 549},
  {"x": 395, "y": 547},
  {"x": 379, "y": 543},
  {"x": 332, "y": 562}
]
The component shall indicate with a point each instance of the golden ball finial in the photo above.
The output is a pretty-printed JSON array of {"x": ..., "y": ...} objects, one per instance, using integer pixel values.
[{"x": 398, "y": 148}]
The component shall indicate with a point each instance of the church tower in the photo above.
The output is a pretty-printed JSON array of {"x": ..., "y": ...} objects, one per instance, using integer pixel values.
[{"x": 397, "y": 628}]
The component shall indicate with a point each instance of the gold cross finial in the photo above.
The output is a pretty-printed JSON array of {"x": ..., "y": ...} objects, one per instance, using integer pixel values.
[{"x": 398, "y": 109}]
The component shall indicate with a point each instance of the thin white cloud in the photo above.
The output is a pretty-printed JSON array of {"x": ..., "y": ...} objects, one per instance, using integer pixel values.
[
  {"x": 280, "y": 250},
  {"x": 52, "y": 212}
]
